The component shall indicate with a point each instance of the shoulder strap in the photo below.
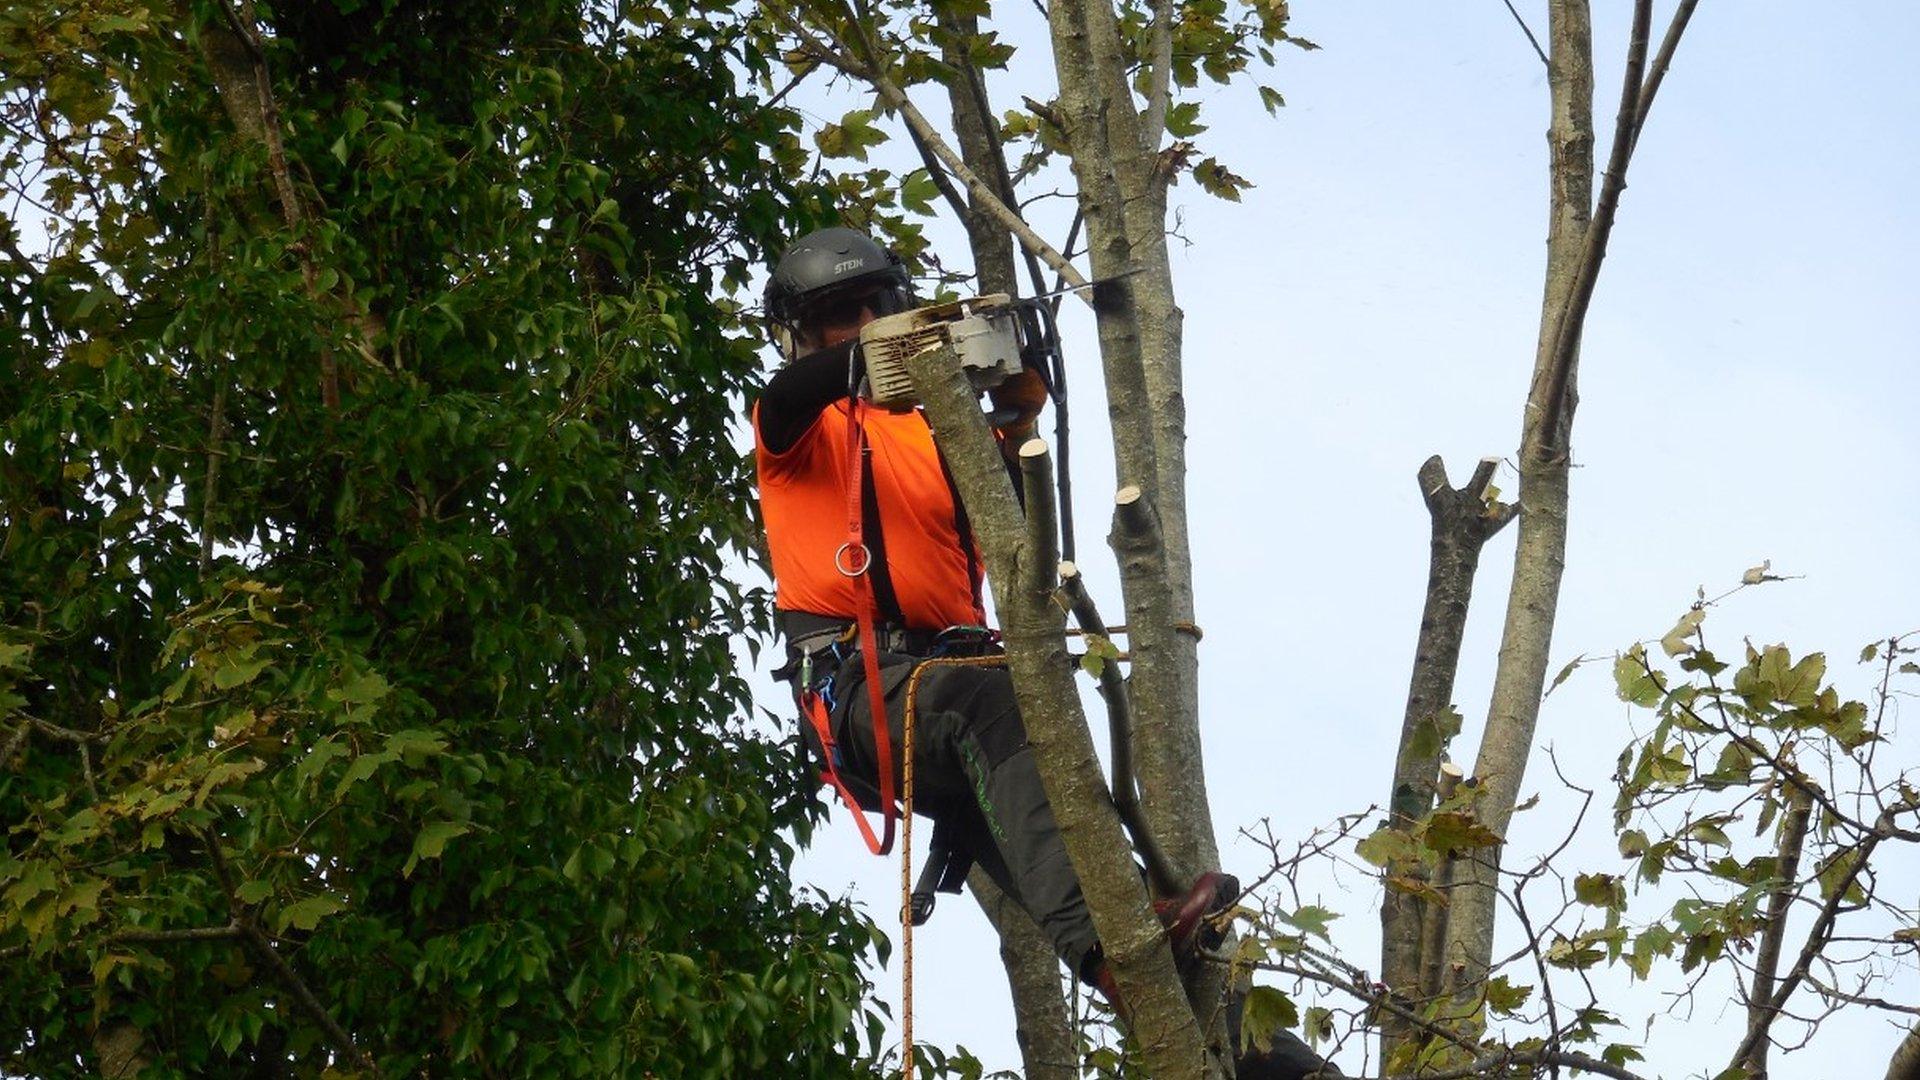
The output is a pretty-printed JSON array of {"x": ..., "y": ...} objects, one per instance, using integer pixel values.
[{"x": 855, "y": 560}]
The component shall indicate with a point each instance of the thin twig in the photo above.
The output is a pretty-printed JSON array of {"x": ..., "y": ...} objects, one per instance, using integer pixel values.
[
  {"x": 1487, "y": 1058},
  {"x": 1528, "y": 30},
  {"x": 66, "y": 734},
  {"x": 262, "y": 946},
  {"x": 216, "y": 434},
  {"x": 1662, "y": 60}
]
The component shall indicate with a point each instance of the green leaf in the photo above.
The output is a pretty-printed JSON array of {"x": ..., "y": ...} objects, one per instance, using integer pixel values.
[
  {"x": 1432, "y": 733},
  {"x": 1634, "y": 681},
  {"x": 1600, "y": 890},
  {"x": 254, "y": 891},
  {"x": 1267, "y": 1011},
  {"x": 431, "y": 841},
  {"x": 363, "y": 690},
  {"x": 1796, "y": 684},
  {"x": 1621, "y": 1055},
  {"x": 1834, "y": 869},
  {"x": 1217, "y": 180},
  {"x": 917, "y": 192},
  {"x": 1652, "y": 943},
  {"x": 1565, "y": 673},
  {"x": 1505, "y": 997},
  {"x": 1387, "y": 846},
  {"x": 1183, "y": 120},
  {"x": 362, "y": 767},
  {"x": 229, "y": 675},
  {"x": 1311, "y": 919},
  {"x": 1318, "y": 1025},
  {"x": 306, "y": 914}
]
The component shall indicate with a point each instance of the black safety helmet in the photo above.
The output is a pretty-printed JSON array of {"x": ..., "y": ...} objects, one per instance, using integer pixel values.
[{"x": 830, "y": 265}]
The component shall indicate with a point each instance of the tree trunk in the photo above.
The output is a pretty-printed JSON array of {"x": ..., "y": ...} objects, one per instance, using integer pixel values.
[
  {"x": 1022, "y": 569},
  {"x": 1123, "y": 200},
  {"x": 1041, "y": 1024},
  {"x": 1463, "y": 519},
  {"x": 1539, "y": 558}
]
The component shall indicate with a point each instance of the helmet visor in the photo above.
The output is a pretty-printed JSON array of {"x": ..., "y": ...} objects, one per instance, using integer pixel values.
[{"x": 841, "y": 307}]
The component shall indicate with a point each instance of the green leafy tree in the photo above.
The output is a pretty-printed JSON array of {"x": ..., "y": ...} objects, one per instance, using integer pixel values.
[{"x": 364, "y": 479}]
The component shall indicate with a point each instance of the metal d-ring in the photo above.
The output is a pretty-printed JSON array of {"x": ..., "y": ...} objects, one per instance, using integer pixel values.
[{"x": 840, "y": 562}]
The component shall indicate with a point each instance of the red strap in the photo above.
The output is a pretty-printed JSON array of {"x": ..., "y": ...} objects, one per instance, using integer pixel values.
[
  {"x": 815, "y": 711},
  {"x": 854, "y": 559}
]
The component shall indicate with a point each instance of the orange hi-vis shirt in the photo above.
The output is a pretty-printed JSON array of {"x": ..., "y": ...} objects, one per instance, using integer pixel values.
[{"x": 935, "y": 571}]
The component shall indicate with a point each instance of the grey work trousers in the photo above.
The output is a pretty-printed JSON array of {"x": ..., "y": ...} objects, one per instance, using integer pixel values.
[
  {"x": 974, "y": 771},
  {"x": 975, "y": 774}
]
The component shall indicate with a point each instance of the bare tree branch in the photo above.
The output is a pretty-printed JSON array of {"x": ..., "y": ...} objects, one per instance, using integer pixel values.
[
  {"x": 1487, "y": 1061},
  {"x": 982, "y": 195},
  {"x": 1817, "y": 939},
  {"x": 1636, "y": 100},
  {"x": 263, "y": 948},
  {"x": 1113, "y": 690},
  {"x": 1462, "y": 521},
  {"x": 229, "y": 932},
  {"x": 1793, "y": 834}
]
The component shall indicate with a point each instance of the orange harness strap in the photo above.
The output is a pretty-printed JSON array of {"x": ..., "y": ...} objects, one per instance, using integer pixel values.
[{"x": 854, "y": 559}]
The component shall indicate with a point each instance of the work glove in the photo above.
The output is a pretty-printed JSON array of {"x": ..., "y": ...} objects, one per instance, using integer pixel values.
[{"x": 1017, "y": 403}]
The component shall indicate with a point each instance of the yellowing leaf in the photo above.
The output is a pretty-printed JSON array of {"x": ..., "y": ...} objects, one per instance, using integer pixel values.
[
  {"x": 1452, "y": 832},
  {"x": 1267, "y": 1012},
  {"x": 1677, "y": 640}
]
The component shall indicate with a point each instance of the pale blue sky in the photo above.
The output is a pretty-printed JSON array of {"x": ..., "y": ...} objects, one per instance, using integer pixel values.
[{"x": 1747, "y": 392}]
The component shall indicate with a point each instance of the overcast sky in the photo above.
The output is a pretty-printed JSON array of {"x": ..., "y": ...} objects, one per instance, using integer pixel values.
[{"x": 1747, "y": 391}]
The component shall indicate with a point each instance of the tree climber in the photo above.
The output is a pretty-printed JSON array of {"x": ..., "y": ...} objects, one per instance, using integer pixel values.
[
  {"x": 898, "y": 554},
  {"x": 974, "y": 772}
]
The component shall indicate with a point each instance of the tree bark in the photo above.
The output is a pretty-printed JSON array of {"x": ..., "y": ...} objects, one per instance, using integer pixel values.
[
  {"x": 1462, "y": 520},
  {"x": 1122, "y": 200},
  {"x": 1906, "y": 1057},
  {"x": 1033, "y": 627},
  {"x": 1766, "y": 961},
  {"x": 1042, "y": 1026},
  {"x": 1041, "y": 1023}
]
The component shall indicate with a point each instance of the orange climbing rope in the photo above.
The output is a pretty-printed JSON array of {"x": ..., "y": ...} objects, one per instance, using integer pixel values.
[{"x": 906, "y": 843}]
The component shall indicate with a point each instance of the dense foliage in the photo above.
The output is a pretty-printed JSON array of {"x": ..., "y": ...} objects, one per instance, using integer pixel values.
[{"x": 364, "y": 478}]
